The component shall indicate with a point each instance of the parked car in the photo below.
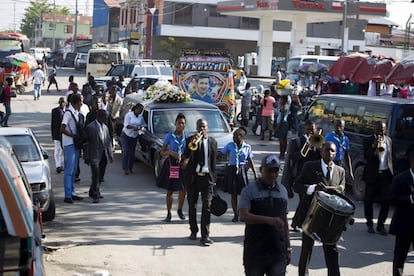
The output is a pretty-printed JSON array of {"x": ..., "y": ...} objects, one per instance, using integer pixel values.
[
  {"x": 160, "y": 118},
  {"x": 20, "y": 220},
  {"x": 360, "y": 113},
  {"x": 80, "y": 61},
  {"x": 34, "y": 160},
  {"x": 69, "y": 59},
  {"x": 55, "y": 58}
]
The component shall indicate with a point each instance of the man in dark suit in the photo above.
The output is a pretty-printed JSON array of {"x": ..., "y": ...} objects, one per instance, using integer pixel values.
[
  {"x": 56, "y": 121},
  {"x": 402, "y": 224},
  {"x": 97, "y": 152},
  {"x": 200, "y": 178},
  {"x": 309, "y": 180},
  {"x": 294, "y": 164},
  {"x": 378, "y": 173}
]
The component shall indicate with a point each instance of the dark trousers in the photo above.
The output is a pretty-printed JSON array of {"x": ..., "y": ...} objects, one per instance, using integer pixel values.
[
  {"x": 402, "y": 246},
  {"x": 380, "y": 190},
  {"x": 128, "y": 151},
  {"x": 200, "y": 185},
  {"x": 330, "y": 252},
  {"x": 97, "y": 171}
]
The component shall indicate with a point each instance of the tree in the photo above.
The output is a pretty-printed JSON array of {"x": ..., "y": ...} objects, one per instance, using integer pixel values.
[
  {"x": 33, "y": 14},
  {"x": 172, "y": 47}
]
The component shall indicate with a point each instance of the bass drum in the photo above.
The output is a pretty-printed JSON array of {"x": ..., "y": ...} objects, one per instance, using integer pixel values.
[{"x": 327, "y": 217}]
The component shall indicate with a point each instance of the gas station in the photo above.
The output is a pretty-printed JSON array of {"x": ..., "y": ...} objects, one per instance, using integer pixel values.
[{"x": 299, "y": 13}]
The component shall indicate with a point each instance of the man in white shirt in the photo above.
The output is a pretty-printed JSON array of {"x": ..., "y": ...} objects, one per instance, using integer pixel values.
[{"x": 37, "y": 80}]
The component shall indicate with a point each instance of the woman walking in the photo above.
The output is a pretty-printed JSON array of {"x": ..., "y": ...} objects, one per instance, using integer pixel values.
[
  {"x": 6, "y": 102},
  {"x": 268, "y": 114},
  {"x": 282, "y": 124},
  {"x": 173, "y": 148},
  {"x": 133, "y": 124},
  {"x": 240, "y": 158}
]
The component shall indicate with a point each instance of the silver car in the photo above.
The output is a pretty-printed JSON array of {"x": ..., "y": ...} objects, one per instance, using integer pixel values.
[{"x": 35, "y": 163}]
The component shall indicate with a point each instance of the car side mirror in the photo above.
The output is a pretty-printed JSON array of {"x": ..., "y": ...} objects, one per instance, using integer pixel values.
[{"x": 45, "y": 154}]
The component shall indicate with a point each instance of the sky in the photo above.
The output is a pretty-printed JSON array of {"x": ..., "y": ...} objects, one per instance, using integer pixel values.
[{"x": 12, "y": 11}]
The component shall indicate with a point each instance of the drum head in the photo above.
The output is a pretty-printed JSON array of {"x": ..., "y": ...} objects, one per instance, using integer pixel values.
[{"x": 336, "y": 202}]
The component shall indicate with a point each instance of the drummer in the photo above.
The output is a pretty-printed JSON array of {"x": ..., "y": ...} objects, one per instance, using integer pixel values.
[{"x": 319, "y": 175}]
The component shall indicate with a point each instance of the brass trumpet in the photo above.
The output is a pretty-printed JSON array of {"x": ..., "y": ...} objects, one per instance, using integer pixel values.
[
  {"x": 315, "y": 141},
  {"x": 380, "y": 145},
  {"x": 193, "y": 145}
]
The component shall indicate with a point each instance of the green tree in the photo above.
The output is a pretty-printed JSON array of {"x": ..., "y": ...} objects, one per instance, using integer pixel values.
[
  {"x": 172, "y": 47},
  {"x": 33, "y": 14}
]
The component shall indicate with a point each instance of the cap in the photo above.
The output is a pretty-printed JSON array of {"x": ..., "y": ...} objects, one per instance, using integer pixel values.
[{"x": 270, "y": 161}]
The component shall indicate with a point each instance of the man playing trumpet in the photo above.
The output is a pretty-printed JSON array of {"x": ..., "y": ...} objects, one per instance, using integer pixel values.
[{"x": 378, "y": 175}]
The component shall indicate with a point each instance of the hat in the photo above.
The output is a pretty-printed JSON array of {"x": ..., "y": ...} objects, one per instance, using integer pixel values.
[{"x": 270, "y": 161}]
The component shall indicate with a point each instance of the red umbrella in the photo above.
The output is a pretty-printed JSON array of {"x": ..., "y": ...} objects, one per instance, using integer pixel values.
[
  {"x": 402, "y": 72},
  {"x": 345, "y": 67},
  {"x": 376, "y": 68}
]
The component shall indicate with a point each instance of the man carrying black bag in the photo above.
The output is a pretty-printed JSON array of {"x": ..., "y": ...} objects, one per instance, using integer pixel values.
[{"x": 263, "y": 207}]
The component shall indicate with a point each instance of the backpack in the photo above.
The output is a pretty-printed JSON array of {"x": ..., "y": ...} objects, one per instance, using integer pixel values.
[
  {"x": 2, "y": 95},
  {"x": 80, "y": 138}
]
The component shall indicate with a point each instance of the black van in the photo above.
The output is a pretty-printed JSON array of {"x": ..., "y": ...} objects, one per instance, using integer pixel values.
[{"x": 360, "y": 113}]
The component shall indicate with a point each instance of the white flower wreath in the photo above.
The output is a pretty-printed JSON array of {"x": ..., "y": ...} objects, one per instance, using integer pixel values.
[{"x": 166, "y": 92}]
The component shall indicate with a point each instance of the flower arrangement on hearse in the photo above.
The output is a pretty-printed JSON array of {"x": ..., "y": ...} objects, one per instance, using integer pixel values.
[{"x": 166, "y": 92}]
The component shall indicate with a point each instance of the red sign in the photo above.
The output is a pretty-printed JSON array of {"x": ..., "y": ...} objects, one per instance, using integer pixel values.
[{"x": 308, "y": 5}]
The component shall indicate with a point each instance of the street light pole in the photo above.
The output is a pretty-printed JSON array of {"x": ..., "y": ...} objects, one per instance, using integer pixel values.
[
  {"x": 152, "y": 10},
  {"x": 75, "y": 33},
  {"x": 345, "y": 29},
  {"x": 54, "y": 24}
]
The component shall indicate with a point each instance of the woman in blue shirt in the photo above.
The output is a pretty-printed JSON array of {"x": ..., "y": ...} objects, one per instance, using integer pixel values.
[
  {"x": 240, "y": 159},
  {"x": 173, "y": 147}
]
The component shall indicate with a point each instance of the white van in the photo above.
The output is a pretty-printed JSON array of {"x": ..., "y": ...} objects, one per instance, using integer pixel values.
[
  {"x": 38, "y": 53},
  {"x": 101, "y": 57},
  {"x": 296, "y": 61}
]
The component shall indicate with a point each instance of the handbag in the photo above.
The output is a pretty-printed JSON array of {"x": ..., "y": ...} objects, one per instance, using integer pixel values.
[
  {"x": 218, "y": 205},
  {"x": 258, "y": 130},
  {"x": 174, "y": 170}
]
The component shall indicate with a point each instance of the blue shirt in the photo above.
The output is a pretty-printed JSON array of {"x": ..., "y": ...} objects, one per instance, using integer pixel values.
[
  {"x": 175, "y": 143},
  {"x": 341, "y": 143},
  {"x": 241, "y": 155},
  {"x": 205, "y": 98}
]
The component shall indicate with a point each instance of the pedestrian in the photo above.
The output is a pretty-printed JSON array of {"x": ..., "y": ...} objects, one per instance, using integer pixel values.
[
  {"x": 200, "y": 177},
  {"x": 282, "y": 125},
  {"x": 73, "y": 89},
  {"x": 263, "y": 207},
  {"x": 402, "y": 223},
  {"x": 56, "y": 122},
  {"x": 341, "y": 141},
  {"x": 52, "y": 79},
  {"x": 173, "y": 148},
  {"x": 38, "y": 79},
  {"x": 378, "y": 174},
  {"x": 97, "y": 152},
  {"x": 333, "y": 177},
  {"x": 71, "y": 154},
  {"x": 7, "y": 101},
  {"x": 268, "y": 114},
  {"x": 246, "y": 103},
  {"x": 133, "y": 123},
  {"x": 70, "y": 80},
  {"x": 240, "y": 159},
  {"x": 294, "y": 162}
]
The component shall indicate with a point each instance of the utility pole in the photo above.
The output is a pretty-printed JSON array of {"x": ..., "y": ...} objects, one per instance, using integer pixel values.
[
  {"x": 54, "y": 25},
  {"x": 345, "y": 29},
  {"x": 75, "y": 33}
]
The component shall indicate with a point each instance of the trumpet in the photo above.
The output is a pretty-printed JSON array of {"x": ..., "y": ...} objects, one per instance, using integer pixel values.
[
  {"x": 315, "y": 141},
  {"x": 380, "y": 144},
  {"x": 193, "y": 145}
]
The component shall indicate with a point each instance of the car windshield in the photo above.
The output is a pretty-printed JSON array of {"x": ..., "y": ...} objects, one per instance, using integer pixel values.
[
  {"x": 163, "y": 120},
  {"x": 25, "y": 147}
]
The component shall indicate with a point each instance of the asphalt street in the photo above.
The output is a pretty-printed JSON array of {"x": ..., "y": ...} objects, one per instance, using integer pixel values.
[{"x": 125, "y": 234}]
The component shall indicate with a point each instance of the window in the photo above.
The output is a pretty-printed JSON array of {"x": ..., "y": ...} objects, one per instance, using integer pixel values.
[
  {"x": 183, "y": 14},
  {"x": 316, "y": 111},
  {"x": 68, "y": 29},
  {"x": 405, "y": 123}
]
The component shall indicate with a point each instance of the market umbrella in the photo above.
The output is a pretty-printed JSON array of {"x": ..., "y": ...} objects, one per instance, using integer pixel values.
[
  {"x": 304, "y": 68},
  {"x": 318, "y": 68},
  {"x": 15, "y": 202},
  {"x": 402, "y": 72},
  {"x": 345, "y": 67},
  {"x": 376, "y": 68},
  {"x": 23, "y": 57}
]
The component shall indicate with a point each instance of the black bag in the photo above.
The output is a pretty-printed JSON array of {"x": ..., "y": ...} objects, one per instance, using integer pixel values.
[
  {"x": 80, "y": 138},
  {"x": 218, "y": 205}
]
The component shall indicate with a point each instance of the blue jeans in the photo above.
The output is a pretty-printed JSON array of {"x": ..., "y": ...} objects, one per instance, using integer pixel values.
[
  {"x": 37, "y": 90},
  {"x": 71, "y": 165},
  {"x": 128, "y": 151},
  {"x": 5, "y": 120}
]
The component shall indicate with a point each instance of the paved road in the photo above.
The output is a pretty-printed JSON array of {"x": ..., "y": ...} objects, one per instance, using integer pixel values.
[{"x": 124, "y": 234}]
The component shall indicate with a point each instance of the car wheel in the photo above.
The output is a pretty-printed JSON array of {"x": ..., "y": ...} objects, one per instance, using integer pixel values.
[
  {"x": 50, "y": 213},
  {"x": 358, "y": 186},
  {"x": 157, "y": 165}
]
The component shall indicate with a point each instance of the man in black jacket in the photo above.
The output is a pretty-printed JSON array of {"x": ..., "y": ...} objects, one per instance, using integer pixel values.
[
  {"x": 402, "y": 224},
  {"x": 200, "y": 178}
]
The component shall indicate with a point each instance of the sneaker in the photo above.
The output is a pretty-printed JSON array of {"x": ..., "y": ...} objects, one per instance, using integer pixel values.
[
  {"x": 68, "y": 200},
  {"x": 206, "y": 242},
  {"x": 193, "y": 236},
  {"x": 381, "y": 230},
  {"x": 370, "y": 229},
  {"x": 75, "y": 197},
  {"x": 180, "y": 214},
  {"x": 168, "y": 218}
]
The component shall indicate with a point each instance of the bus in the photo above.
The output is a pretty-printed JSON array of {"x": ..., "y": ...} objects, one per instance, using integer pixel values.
[
  {"x": 102, "y": 57},
  {"x": 296, "y": 61},
  {"x": 10, "y": 44}
]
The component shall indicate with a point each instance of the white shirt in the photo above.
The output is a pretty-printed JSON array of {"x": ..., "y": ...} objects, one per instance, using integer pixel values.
[
  {"x": 38, "y": 76},
  {"x": 311, "y": 188},
  {"x": 70, "y": 125},
  {"x": 135, "y": 121},
  {"x": 204, "y": 169}
]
